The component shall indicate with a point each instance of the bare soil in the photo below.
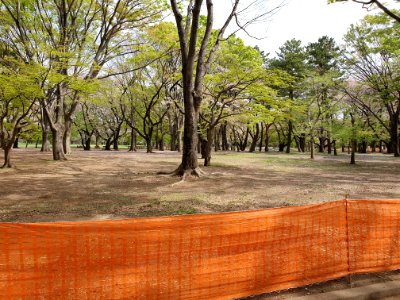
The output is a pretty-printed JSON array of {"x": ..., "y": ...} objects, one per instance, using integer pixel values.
[{"x": 99, "y": 185}]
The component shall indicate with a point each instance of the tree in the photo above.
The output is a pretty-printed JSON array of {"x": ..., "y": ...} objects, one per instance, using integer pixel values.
[
  {"x": 20, "y": 90},
  {"x": 324, "y": 77},
  {"x": 291, "y": 59},
  {"x": 373, "y": 68},
  {"x": 195, "y": 65},
  {"x": 236, "y": 78},
  {"x": 76, "y": 40}
]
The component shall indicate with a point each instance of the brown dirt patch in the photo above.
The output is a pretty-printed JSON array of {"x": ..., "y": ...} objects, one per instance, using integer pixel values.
[{"x": 99, "y": 185}]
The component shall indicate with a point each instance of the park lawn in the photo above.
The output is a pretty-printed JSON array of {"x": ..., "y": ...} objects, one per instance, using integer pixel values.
[{"x": 96, "y": 185}]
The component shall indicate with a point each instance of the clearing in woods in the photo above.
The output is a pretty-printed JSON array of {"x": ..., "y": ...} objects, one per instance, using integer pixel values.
[{"x": 99, "y": 185}]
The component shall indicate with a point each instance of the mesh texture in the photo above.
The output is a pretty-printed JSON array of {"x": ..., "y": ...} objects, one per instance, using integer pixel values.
[{"x": 217, "y": 256}]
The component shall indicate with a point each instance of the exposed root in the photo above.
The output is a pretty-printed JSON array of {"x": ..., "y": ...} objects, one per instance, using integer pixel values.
[{"x": 184, "y": 174}]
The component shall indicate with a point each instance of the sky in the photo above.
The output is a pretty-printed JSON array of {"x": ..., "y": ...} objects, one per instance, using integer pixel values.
[{"x": 306, "y": 20}]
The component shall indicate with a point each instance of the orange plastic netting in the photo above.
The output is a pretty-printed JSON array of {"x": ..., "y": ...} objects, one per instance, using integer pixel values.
[{"x": 218, "y": 256}]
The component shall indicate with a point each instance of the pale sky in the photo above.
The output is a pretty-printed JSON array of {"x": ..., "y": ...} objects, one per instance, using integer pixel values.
[{"x": 306, "y": 20}]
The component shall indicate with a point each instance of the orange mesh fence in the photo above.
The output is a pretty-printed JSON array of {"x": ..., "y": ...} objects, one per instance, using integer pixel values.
[
  {"x": 374, "y": 235},
  {"x": 219, "y": 256}
]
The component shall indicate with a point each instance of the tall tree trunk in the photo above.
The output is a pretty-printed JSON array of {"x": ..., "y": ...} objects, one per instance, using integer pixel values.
[
  {"x": 334, "y": 148},
  {"x": 208, "y": 146},
  {"x": 353, "y": 151},
  {"x": 216, "y": 139},
  {"x": 116, "y": 138},
  {"x": 161, "y": 142},
  {"x": 68, "y": 122},
  {"x": 57, "y": 126},
  {"x": 225, "y": 146},
  {"x": 67, "y": 136},
  {"x": 16, "y": 143},
  {"x": 255, "y": 139},
  {"x": 97, "y": 138},
  {"x": 266, "y": 149},
  {"x": 132, "y": 146},
  {"x": 329, "y": 145},
  {"x": 7, "y": 157},
  {"x": 321, "y": 146},
  {"x": 245, "y": 141},
  {"x": 302, "y": 142},
  {"x": 57, "y": 144},
  {"x": 373, "y": 146},
  {"x": 45, "y": 133},
  {"x": 261, "y": 137},
  {"x": 312, "y": 147},
  {"x": 394, "y": 134},
  {"x": 149, "y": 148},
  {"x": 87, "y": 143},
  {"x": 289, "y": 136},
  {"x": 107, "y": 146},
  {"x": 174, "y": 127},
  {"x": 180, "y": 137},
  {"x": 353, "y": 141}
]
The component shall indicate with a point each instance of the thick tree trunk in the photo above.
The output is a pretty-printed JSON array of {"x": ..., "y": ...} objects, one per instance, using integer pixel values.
[
  {"x": 161, "y": 143},
  {"x": 107, "y": 146},
  {"x": 180, "y": 137},
  {"x": 57, "y": 144},
  {"x": 116, "y": 138},
  {"x": 394, "y": 135},
  {"x": 149, "y": 148},
  {"x": 132, "y": 146},
  {"x": 255, "y": 139},
  {"x": 321, "y": 145},
  {"x": 7, "y": 157},
  {"x": 45, "y": 133},
  {"x": 312, "y": 147},
  {"x": 16, "y": 143},
  {"x": 174, "y": 135},
  {"x": 334, "y": 148},
  {"x": 373, "y": 146},
  {"x": 245, "y": 141},
  {"x": 266, "y": 142},
  {"x": 302, "y": 142},
  {"x": 189, "y": 163},
  {"x": 281, "y": 147},
  {"x": 207, "y": 147},
  {"x": 87, "y": 143},
  {"x": 225, "y": 146},
  {"x": 97, "y": 138},
  {"x": 67, "y": 136},
  {"x": 261, "y": 137},
  {"x": 353, "y": 141},
  {"x": 329, "y": 145},
  {"x": 353, "y": 151},
  {"x": 289, "y": 136}
]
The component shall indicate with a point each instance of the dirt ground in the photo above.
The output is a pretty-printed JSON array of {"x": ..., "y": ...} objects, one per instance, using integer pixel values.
[
  {"x": 347, "y": 282},
  {"x": 99, "y": 185}
]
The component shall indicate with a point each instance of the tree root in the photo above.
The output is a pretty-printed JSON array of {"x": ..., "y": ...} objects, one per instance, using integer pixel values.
[{"x": 184, "y": 174}]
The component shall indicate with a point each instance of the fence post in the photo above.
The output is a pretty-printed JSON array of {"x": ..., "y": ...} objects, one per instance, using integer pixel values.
[{"x": 349, "y": 279}]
